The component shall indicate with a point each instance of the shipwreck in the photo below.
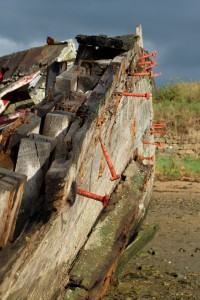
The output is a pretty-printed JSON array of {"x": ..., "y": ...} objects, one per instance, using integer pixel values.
[{"x": 76, "y": 163}]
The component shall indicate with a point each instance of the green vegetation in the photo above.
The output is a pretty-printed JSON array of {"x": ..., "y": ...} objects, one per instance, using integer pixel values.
[
  {"x": 183, "y": 92},
  {"x": 172, "y": 168},
  {"x": 178, "y": 104}
]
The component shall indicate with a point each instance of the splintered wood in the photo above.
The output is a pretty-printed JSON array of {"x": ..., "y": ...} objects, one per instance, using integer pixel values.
[{"x": 11, "y": 191}]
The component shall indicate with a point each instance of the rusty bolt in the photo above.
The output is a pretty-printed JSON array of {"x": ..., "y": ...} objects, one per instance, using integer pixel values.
[
  {"x": 115, "y": 176},
  {"x": 103, "y": 199}
]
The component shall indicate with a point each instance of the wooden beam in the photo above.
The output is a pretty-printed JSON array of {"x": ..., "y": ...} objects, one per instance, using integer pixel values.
[
  {"x": 73, "y": 103},
  {"x": 67, "y": 81},
  {"x": 142, "y": 239},
  {"x": 139, "y": 34},
  {"x": 47, "y": 106},
  {"x": 56, "y": 126},
  {"x": 109, "y": 238},
  {"x": 32, "y": 161},
  {"x": 124, "y": 42},
  {"x": 31, "y": 126},
  {"x": 87, "y": 83},
  {"x": 44, "y": 138},
  {"x": 12, "y": 185}
]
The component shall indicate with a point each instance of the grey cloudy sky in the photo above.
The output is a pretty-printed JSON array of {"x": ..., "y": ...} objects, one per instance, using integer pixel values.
[{"x": 172, "y": 27}]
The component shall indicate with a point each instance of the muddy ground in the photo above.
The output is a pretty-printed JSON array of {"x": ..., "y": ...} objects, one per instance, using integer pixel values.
[{"x": 168, "y": 267}]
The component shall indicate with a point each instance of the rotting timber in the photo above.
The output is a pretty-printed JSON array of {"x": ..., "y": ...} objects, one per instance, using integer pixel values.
[{"x": 68, "y": 245}]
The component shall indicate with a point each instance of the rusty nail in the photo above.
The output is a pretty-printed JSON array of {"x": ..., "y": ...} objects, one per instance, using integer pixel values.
[
  {"x": 160, "y": 125},
  {"x": 148, "y": 62},
  {"x": 150, "y": 74},
  {"x": 150, "y": 66},
  {"x": 146, "y": 157},
  {"x": 115, "y": 176},
  {"x": 141, "y": 74},
  {"x": 154, "y": 53},
  {"x": 156, "y": 132},
  {"x": 103, "y": 199},
  {"x": 147, "y": 95},
  {"x": 157, "y": 144}
]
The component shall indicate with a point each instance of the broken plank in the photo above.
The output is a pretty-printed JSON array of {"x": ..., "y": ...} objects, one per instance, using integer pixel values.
[
  {"x": 76, "y": 294},
  {"x": 67, "y": 81},
  {"x": 110, "y": 236},
  {"x": 44, "y": 138},
  {"x": 47, "y": 106},
  {"x": 66, "y": 145},
  {"x": 124, "y": 42},
  {"x": 56, "y": 123},
  {"x": 6, "y": 161},
  {"x": 56, "y": 126},
  {"x": 31, "y": 126},
  {"x": 11, "y": 190},
  {"x": 87, "y": 83},
  {"x": 32, "y": 161},
  {"x": 144, "y": 236},
  {"x": 73, "y": 103}
]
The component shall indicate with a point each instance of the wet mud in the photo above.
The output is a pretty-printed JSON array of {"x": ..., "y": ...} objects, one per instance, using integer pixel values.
[{"x": 168, "y": 267}]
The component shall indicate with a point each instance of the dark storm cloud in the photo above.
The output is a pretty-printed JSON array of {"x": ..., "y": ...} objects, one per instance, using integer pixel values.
[{"x": 170, "y": 27}]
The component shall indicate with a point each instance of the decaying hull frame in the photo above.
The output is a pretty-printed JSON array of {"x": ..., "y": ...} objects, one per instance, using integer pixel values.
[{"x": 76, "y": 250}]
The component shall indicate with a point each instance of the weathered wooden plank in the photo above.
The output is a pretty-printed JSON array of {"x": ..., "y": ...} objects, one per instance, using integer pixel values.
[
  {"x": 62, "y": 173},
  {"x": 66, "y": 145},
  {"x": 32, "y": 161},
  {"x": 124, "y": 42},
  {"x": 76, "y": 294},
  {"x": 31, "y": 126},
  {"x": 139, "y": 34},
  {"x": 11, "y": 190},
  {"x": 110, "y": 236},
  {"x": 56, "y": 126},
  {"x": 53, "y": 71},
  {"x": 67, "y": 81},
  {"x": 57, "y": 122},
  {"x": 44, "y": 138},
  {"x": 48, "y": 105},
  {"x": 96, "y": 67},
  {"x": 6, "y": 161},
  {"x": 142, "y": 239},
  {"x": 87, "y": 83},
  {"x": 72, "y": 104}
]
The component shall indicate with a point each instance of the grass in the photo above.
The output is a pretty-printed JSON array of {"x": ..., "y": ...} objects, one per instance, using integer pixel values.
[
  {"x": 178, "y": 105},
  {"x": 171, "y": 168},
  {"x": 192, "y": 165},
  {"x": 182, "y": 92}
]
